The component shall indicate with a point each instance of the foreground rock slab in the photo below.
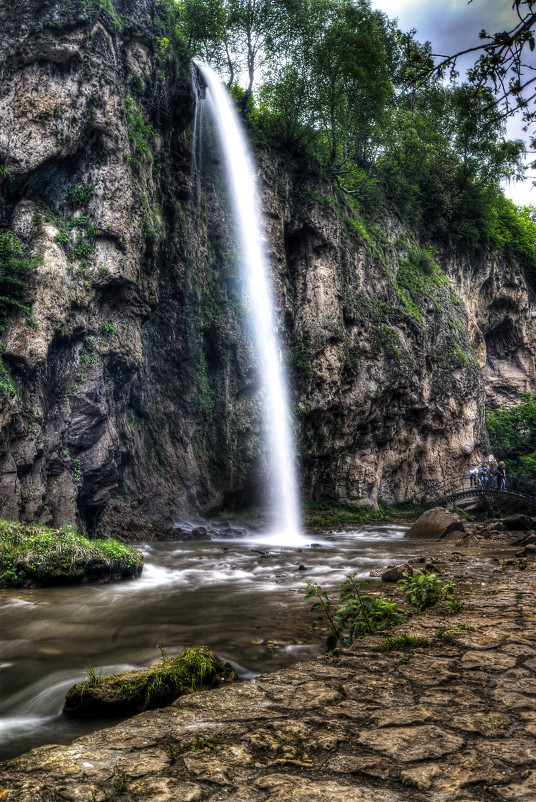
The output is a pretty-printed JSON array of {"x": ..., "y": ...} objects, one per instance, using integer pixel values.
[{"x": 452, "y": 721}]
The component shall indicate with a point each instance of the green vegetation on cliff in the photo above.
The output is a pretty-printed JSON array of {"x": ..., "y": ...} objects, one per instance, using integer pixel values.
[
  {"x": 16, "y": 270},
  {"x": 33, "y": 555},
  {"x": 331, "y": 513}
]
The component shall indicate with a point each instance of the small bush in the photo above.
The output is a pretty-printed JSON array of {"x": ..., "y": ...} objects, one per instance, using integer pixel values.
[
  {"x": 108, "y": 329},
  {"x": 425, "y": 589},
  {"x": 358, "y": 614},
  {"x": 454, "y": 607}
]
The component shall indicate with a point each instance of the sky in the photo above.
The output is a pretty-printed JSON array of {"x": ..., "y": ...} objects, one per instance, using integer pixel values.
[{"x": 453, "y": 25}]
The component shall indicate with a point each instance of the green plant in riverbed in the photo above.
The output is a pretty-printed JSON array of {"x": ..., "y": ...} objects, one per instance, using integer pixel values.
[
  {"x": 358, "y": 614},
  {"x": 425, "y": 589},
  {"x": 403, "y": 642},
  {"x": 92, "y": 678},
  {"x": 454, "y": 607},
  {"x": 208, "y": 742},
  {"x": 172, "y": 753},
  {"x": 120, "y": 783}
]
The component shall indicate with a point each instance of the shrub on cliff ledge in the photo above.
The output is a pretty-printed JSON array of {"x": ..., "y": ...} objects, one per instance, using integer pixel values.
[{"x": 38, "y": 555}]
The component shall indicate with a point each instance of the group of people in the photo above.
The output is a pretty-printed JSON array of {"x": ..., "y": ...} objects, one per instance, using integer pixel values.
[{"x": 493, "y": 475}]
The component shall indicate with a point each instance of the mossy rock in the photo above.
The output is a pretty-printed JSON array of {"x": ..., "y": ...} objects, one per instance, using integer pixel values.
[
  {"x": 133, "y": 691},
  {"x": 32, "y": 556}
]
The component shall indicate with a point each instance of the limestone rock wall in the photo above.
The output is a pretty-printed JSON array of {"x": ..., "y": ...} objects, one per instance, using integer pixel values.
[{"x": 129, "y": 388}]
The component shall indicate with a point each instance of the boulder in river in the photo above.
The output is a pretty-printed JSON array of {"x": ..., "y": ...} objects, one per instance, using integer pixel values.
[
  {"x": 435, "y": 524},
  {"x": 519, "y": 523},
  {"x": 144, "y": 689},
  {"x": 396, "y": 573}
]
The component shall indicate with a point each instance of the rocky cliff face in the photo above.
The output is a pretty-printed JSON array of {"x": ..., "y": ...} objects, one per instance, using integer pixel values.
[
  {"x": 396, "y": 349},
  {"x": 128, "y": 384}
]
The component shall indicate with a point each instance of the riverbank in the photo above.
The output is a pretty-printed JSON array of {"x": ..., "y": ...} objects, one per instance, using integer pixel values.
[{"x": 453, "y": 720}]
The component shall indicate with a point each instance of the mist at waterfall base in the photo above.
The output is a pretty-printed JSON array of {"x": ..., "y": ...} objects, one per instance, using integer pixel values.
[{"x": 259, "y": 299}]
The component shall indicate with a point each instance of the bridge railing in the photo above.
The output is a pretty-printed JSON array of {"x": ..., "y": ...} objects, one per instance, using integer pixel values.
[{"x": 438, "y": 489}]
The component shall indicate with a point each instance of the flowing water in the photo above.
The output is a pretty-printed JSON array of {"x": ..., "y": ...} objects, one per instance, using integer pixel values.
[
  {"x": 243, "y": 598},
  {"x": 243, "y": 192}
]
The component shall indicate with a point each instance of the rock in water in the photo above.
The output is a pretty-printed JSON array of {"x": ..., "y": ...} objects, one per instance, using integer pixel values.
[
  {"x": 394, "y": 574},
  {"x": 435, "y": 524},
  {"x": 133, "y": 691}
]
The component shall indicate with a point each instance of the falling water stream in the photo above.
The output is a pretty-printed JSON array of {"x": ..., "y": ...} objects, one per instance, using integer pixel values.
[{"x": 243, "y": 191}]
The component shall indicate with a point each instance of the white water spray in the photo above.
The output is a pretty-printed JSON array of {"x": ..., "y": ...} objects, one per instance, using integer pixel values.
[{"x": 244, "y": 197}]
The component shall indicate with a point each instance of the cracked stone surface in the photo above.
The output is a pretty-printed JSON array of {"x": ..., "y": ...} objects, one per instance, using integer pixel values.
[{"x": 452, "y": 721}]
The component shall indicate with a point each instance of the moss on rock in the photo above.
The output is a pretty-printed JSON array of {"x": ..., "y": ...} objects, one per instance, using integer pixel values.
[
  {"x": 133, "y": 691},
  {"x": 32, "y": 555}
]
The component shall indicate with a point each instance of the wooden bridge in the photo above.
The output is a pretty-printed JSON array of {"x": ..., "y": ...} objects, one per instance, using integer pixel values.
[{"x": 439, "y": 493}]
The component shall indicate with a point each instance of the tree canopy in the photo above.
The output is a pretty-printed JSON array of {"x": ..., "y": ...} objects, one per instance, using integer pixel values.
[{"x": 504, "y": 60}]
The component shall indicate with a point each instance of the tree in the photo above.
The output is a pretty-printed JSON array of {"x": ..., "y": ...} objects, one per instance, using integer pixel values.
[
  {"x": 351, "y": 75},
  {"x": 234, "y": 35},
  {"x": 512, "y": 434},
  {"x": 443, "y": 160}
]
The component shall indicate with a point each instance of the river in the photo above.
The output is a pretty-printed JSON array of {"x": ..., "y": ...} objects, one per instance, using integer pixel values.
[{"x": 242, "y": 598}]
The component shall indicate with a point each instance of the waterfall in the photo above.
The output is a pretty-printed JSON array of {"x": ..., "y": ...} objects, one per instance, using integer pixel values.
[{"x": 242, "y": 186}]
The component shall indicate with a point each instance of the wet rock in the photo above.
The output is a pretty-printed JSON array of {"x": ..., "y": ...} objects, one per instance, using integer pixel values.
[
  {"x": 470, "y": 540},
  {"x": 412, "y": 743},
  {"x": 525, "y": 540},
  {"x": 233, "y": 532},
  {"x": 519, "y": 523},
  {"x": 528, "y": 551},
  {"x": 454, "y": 536},
  {"x": 197, "y": 533},
  {"x": 376, "y": 571},
  {"x": 435, "y": 524},
  {"x": 396, "y": 573}
]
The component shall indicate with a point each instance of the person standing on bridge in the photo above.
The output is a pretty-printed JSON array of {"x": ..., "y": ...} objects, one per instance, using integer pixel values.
[
  {"x": 484, "y": 475},
  {"x": 473, "y": 477},
  {"x": 502, "y": 476}
]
